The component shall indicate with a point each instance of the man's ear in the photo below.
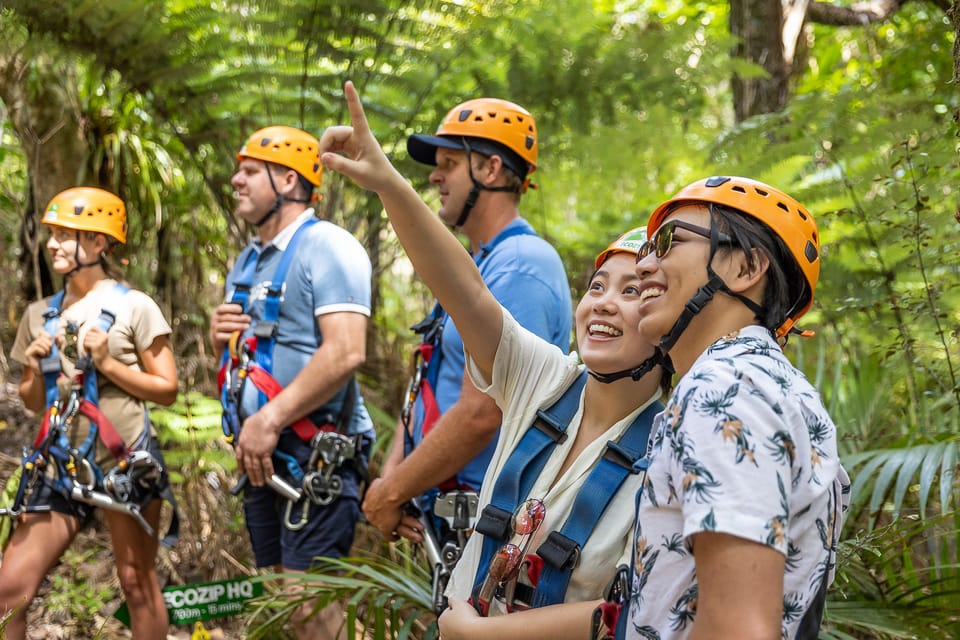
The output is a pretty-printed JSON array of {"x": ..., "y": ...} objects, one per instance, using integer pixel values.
[
  {"x": 749, "y": 271},
  {"x": 494, "y": 168},
  {"x": 291, "y": 181}
]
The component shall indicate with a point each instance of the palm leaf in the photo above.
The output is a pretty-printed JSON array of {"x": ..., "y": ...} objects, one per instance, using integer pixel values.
[
  {"x": 900, "y": 580},
  {"x": 886, "y": 475},
  {"x": 387, "y": 595}
]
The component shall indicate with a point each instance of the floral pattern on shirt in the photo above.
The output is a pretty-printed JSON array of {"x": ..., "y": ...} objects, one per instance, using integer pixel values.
[{"x": 744, "y": 447}]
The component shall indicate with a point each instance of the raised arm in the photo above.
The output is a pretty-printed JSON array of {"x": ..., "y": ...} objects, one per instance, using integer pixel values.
[{"x": 436, "y": 254}]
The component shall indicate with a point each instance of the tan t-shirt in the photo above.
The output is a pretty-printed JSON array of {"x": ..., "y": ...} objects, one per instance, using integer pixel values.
[{"x": 139, "y": 322}]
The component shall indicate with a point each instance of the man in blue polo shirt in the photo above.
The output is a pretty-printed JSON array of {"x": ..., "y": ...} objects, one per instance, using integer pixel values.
[
  {"x": 483, "y": 153},
  {"x": 297, "y": 305}
]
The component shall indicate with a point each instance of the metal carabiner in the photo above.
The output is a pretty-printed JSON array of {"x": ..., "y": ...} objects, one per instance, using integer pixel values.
[
  {"x": 88, "y": 472},
  {"x": 304, "y": 516},
  {"x": 413, "y": 388}
]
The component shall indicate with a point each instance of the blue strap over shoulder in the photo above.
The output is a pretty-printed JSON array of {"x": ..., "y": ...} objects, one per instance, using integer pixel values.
[
  {"x": 266, "y": 328},
  {"x": 50, "y": 365},
  {"x": 522, "y": 468},
  {"x": 561, "y": 550}
]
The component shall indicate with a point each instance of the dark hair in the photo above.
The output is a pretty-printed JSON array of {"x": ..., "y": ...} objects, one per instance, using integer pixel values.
[{"x": 787, "y": 287}]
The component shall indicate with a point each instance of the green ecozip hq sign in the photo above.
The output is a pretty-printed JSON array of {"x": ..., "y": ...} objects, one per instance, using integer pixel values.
[{"x": 191, "y": 603}]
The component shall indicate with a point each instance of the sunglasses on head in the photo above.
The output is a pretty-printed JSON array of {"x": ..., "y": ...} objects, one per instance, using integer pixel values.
[{"x": 662, "y": 240}]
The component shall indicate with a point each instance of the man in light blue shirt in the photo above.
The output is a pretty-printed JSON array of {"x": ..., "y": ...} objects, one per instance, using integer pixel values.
[
  {"x": 483, "y": 154},
  {"x": 296, "y": 313}
]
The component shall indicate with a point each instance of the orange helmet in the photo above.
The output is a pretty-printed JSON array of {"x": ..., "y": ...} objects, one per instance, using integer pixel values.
[
  {"x": 288, "y": 147},
  {"x": 492, "y": 119},
  {"x": 88, "y": 209},
  {"x": 630, "y": 242},
  {"x": 786, "y": 217}
]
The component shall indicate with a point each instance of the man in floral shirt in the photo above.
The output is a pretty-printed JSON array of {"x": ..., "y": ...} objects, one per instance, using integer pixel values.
[{"x": 741, "y": 508}]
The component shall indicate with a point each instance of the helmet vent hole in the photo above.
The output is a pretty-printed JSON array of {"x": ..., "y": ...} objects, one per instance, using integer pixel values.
[
  {"x": 78, "y": 211},
  {"x": 761, "y": 192},
  {"x": 739, "y": 189},
  {"x": 786, "y": 208}
]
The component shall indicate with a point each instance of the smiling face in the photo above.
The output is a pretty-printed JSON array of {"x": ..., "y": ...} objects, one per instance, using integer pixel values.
[
  {"x": 255, "y": 196},
  {"x": 669, "y": 281},
  {"x": 607, "y": 318},
  {"x": 65, "y": 252}
]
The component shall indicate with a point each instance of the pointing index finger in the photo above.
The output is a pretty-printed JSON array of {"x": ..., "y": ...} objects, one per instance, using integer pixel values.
[{"x": 357, "y": 117}]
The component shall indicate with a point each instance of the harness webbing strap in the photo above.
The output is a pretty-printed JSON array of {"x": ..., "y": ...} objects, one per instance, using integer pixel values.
[
  {"x": 89, "y": 405},
  {"x": 268, "y": 385},
  {"x": 265, "y": 329},
  {"x": 50, "y": 366},
  {"x": 524, "y": 465},
  {"x": 264, "y": 338},
  {"x": 562, "y": 548},
  {"x": 108, "y": 434},
  {"x": 432, "y": 329}
]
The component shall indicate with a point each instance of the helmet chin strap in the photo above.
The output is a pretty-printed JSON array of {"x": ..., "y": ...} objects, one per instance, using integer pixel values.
[
  {"x": 76, "y": 260},
  {"x": 659, "y": 358},
  {"x": 278, "y": 200},
  {"x": 475, "y": 191},
  {"x": 704, "y": 294}
]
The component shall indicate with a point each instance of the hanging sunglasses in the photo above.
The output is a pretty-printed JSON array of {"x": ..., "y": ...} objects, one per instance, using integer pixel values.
[
  {"x": 505, "y": 566},
  {"x": 662, "y": 240}
]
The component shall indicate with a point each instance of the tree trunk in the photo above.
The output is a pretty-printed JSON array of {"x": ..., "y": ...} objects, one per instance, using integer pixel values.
[
  {"x": 758, "y": 25},
  {"x": 954, "y": 14},
  {"x": 41, "y": 101}
]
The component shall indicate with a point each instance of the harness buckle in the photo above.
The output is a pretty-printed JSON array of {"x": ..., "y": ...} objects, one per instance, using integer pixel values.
[
  {"x": 330, "y": 451},
  {"x": 266, "y": 329},
  {"x": 620, "y": 455},
  {"x": 618, "y": 587},
  {"x": 550, "y": 428},
  {"x": 135, "y": 478},
  {"x": 559, "y": 551},
  {"x": 495, "y": 523},
  {"x": 458, "y": 508},
  {"x": 50, "y": 364}
]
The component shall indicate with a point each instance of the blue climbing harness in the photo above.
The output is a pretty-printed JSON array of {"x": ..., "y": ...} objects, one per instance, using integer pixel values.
[
  {"x": 136, "y": 478},
  {"x": 251, "y": 360},
  {"x": 561, "y": 550}
]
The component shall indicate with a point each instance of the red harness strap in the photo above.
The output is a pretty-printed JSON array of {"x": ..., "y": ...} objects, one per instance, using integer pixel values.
[
  {"x": 267, "y": 385},
  {"x": 105, "y": 431},
  {"x": 108, "y": 435},
  {"x": 431, "y": 411}
]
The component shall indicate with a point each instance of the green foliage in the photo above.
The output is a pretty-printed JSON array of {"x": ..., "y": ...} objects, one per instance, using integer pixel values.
[
  {"x": 75, "y": 593},
  {"x": 386, "y": 597},
  {"x": 898, "y": 581},
  {"x": 191, "y": 434},
  {"x": 6, "y": 501},
  {"x": 632, "y": 102}
]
